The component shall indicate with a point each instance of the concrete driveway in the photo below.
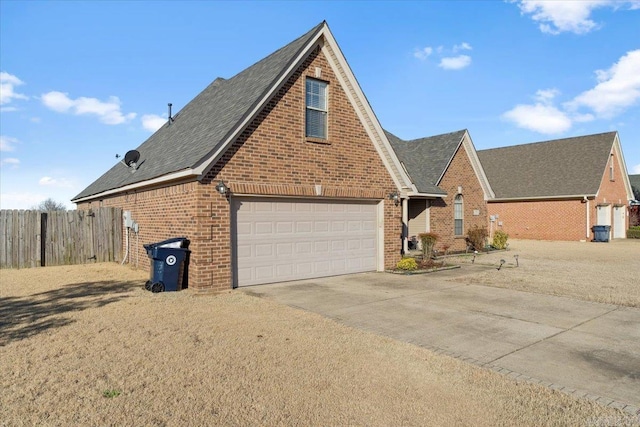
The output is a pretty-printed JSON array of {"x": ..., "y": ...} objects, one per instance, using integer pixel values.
[{"x": 582, "y": 348}]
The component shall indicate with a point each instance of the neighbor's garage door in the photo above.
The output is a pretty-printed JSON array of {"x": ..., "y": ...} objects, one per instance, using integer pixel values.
[{"x": 277, "y": 239}]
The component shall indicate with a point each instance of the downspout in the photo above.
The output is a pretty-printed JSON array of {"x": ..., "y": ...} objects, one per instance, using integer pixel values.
[
  {"x": 405, "y": 226},
  {"x": 588, "y": 205}
]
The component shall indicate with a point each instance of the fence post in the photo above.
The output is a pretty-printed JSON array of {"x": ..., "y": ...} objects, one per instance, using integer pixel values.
[{"x": 43, "y": 239}]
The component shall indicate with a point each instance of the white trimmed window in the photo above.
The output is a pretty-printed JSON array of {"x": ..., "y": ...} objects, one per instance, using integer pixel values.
[
  {"x": 316, "y": 115},
  {"x": 458, "y": 215}
]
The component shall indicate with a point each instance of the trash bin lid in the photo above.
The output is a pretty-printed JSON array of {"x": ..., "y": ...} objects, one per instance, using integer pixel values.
[{"x": 176, "y": 242}]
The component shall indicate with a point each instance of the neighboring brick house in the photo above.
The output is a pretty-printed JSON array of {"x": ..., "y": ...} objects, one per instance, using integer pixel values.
[
  {"x": 560, "y": 189},
  {"x": 634, "y": 209},
  {"x": 303, "y": 167},
  {"x": 447, "y": 171}
]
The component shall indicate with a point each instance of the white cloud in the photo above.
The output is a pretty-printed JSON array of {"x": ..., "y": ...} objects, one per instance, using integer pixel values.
[
  {"x": 152, "y": 122},
  {"x": 107, "y": 112},
  {"x": 558, "y": 16},
  {"x": 455, "y": 62},
  {"x": 8, "y": 83},
  {"x": 636, "y": 169},
  {"x": 546, "y": 96},
  {"x": 618, "y": 88},
  {"x": 462, "y": 46},
  {"x": 7, "y": 143},
  {"x": 423, "y": 53},
  {"x": 446, "y": 62},
  {"x": 542, "y": 118},
  {"x": 10, "y": 161},
  {"x": 48, "y": 181}
]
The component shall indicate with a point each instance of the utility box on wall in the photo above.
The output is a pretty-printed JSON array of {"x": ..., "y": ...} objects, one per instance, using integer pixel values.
[{"x": 128, "y": 220}]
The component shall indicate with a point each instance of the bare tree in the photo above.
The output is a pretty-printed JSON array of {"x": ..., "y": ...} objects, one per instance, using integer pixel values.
[{"x": 50, "y": 205}]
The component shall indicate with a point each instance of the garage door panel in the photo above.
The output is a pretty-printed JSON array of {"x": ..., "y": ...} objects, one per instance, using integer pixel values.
[
  {"x": 321, "y": 248},
  {"x": 284, "y": 249},
  {"x": 304, "y": 227},
  {"x": 278, "y": 240}
]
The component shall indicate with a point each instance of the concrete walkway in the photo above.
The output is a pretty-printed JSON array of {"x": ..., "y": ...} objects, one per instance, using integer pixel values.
[{"x": 586, "y": 349}]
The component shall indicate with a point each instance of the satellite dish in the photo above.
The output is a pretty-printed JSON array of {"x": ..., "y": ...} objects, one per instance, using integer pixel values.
[{"x": 131, "y": 158}]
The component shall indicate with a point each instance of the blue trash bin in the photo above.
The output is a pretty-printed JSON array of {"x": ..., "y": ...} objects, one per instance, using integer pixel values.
[
  {"x": 601, "y": 233},
  {"x": 169, "y": 265}
]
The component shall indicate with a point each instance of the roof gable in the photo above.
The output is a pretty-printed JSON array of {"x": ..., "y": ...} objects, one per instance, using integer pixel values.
[
  {"x": 190, "y": 146},
  {"x": 203, "y": 125},
  {"x": 426, "y": 159},
  {"x": 558, "y": 168}
]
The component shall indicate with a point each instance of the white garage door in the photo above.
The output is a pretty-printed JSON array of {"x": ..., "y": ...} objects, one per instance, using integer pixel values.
[
  {"x": 277, "y": 239},
  {"x": 619, "y": 217}
]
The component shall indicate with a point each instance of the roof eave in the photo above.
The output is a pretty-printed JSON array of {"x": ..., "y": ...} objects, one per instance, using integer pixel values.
[
  {"x": 536, "y": 198},
  {"x": 183, "y": 174},
  {"x": 417, "y": 194}
]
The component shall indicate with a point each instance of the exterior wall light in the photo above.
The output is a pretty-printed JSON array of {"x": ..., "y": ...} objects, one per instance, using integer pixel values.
[
  {"x": 222, "y": 188},
  {"x": 395, "y": 197}
]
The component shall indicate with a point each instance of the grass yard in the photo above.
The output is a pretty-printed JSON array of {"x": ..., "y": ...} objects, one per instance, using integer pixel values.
[
  {"x": 599, "y": 272},
  {"x": 87, "y": 345}
]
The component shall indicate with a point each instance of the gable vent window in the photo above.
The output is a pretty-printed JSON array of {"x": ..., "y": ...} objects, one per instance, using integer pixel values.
[
  {"x": 316, "y": 99},
  {"x": 458, "y": 215}
]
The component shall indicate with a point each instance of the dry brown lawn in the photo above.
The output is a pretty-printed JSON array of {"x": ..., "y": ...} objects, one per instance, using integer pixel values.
[
  {"x": 87, "y": 345},
  {"x": 600, "y": 272}
]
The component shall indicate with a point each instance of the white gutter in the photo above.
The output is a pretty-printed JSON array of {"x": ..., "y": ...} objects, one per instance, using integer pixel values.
[
  {"x": 162, "y": 179},
  {"x": 524, "y": 199},
  {"x": 417, "y": 194}
]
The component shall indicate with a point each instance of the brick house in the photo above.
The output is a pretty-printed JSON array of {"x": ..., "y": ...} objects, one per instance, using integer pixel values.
[
  {"x": 281, "y": 172},
  {"x": 560, "y": 189},
  {"x": 454, "y": 188}
]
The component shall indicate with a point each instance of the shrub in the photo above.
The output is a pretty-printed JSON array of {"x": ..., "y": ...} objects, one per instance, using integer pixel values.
[
  {"x": 633, "y": 232},
  {"x": 407, "y": 264},
  {"x": 500, "y": 239},
  {"x": 428, "y": 241},
  {"x": 478, "y": 237}
]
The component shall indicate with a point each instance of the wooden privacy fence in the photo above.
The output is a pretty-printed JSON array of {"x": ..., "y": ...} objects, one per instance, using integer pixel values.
[{"x": 36, "y": 238}]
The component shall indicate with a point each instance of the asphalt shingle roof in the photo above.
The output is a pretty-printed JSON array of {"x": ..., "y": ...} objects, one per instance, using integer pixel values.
[
  {"x": 561, "y": 167},
  {"x": 426, "y": 159},
  {"x": 635, "y": 182},
  {"x": 204, "y": 123}
]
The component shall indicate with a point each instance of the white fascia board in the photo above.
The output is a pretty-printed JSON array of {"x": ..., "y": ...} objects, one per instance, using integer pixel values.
[
  {"x": 417, "y": 194},
  {"x": 477, "y": 166},
  {"x": 159, "y": 180},
  {"x": 525, "y": 199},
  {"x": 210, "y": 161},
  {"x": 622, "y": 164},
  {"x": 362, "y": 107}
]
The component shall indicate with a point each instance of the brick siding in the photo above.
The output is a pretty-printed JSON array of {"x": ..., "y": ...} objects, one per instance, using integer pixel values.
[
  {"x": 560, "y": 219},
  {"x": 271, "y": 157},
  {"x": 459, "y": 174}
]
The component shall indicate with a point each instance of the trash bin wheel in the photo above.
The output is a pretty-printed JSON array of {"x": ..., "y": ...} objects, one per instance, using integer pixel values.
[
  {"x": 157, "y": 287},
  {"x": 147, "y": 285}
]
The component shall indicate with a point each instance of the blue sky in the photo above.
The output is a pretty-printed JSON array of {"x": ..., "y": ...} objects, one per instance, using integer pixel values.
[{"x": 84, "y": 81}]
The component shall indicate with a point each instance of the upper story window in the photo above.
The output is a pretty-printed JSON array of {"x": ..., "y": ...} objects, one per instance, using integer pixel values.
[
  {"x": 316, "y": 115},
  {"x": 611, "y": 174},
  {"x": 458, "y": 215}
]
